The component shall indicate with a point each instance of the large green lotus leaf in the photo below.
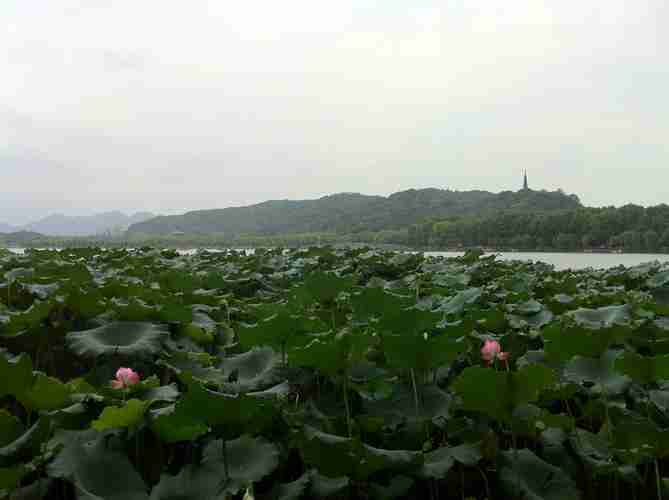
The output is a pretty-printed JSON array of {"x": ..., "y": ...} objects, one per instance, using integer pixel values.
[
  {"x": 374, "y": 387},
  {"x": 125, "y": 338},
  {"x": 34, "y": 491},
  {"x": 424, "y": 352},
  {"x": 293, "y": 490},
  {"x": 323, "y": 287},
  {"x": 200, "y": 408},
  {"x": 440, "y": 461},
  {"x": 45, "y": 393},
  {"x": 27, "y": 445},
  {"x": 398, "y": 487},
  {"x": 376, "y": 303},
  {"x": 660, "y": 399},
  {"x": 56, "y": 270},
  {"x": 538, "y": 320},
  {"x": 198, "y": 364},
  {"x": 524, "y": 475},
  {"x": 85, "y": 304},
  {"x": 643, "y": 369},
  {"x": 520, "y": 282},
  {"x": 16, "y": 375},
  {"x": 556, "y": 451},
  {"x": 89, "y": 460},
  {"x": 277, "y": 329},
  {"x": 457, "y": 304},
  {"x": 409, "y": 321},
  {"x": 563, "y": 342},
  {"x": 530, "y": 420},
  {"x": 490, "y": 320},
  {"x": 528, "y": 308},
  {"x": 637, "y": 440},
  {"x": 599, "y": 371},
  {"x": 76, "y": 416},
  {"x": 602, "y": 317},
  {"x": 337, "y": 456},
  {"x": 197, "y": 334},
  {"x": 593, "y": 450},
  {"x": 249, "y": 460},
  {"x": 42, "y": 292},
  {"x": 135, "y": 311},
  {"x": 173, "y": 426},
  {"x": 220, "y": 409},
  {"x": 332, "y": 353},
  {"x": 166, "y": 393},
  {"x": 325, "y": 487},
  {"x": 170, "y": 310},
  {"x": 658, "y": 280},
  {"x": 400, "y": 406},
  {"x": 28, "y": 320},
  {"x": 130, "y": 415},
  {"x": 498, "y": 393},
  {"x": 18, "y": 272},
  {"x": 10, "y": 428},
  {"x": 253, "y": 370},
  {"x": 10, "y": 478}
]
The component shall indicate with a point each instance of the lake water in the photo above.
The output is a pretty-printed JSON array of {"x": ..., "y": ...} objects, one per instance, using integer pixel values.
[{"x": 561, "y": 261}]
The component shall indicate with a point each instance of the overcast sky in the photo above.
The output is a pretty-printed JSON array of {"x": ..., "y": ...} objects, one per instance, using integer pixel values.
[{"x": 172, "y": 105}]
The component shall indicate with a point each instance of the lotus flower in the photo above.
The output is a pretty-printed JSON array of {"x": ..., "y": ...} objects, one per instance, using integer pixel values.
[
  {"x": 125, "y": 377},
  {"x": 491, "y": 350}
]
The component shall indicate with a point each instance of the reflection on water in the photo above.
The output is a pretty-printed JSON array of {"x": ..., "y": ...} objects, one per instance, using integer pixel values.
[{"x": 559, "y": 260}]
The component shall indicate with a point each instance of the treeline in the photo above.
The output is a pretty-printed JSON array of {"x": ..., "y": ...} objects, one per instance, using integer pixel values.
[
  {"x": 216, "y": 240},
  {"x": 630, "y": 228}
]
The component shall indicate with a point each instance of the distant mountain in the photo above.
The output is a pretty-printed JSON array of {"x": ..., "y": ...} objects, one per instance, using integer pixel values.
[
  {"x": 87, "y": 225},
  {"x": 19, "y": 238},
  {"x": 353, "y": 212}
]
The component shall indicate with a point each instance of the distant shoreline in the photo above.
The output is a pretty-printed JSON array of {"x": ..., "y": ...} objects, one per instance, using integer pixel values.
[{"x": 388, "y": 247}]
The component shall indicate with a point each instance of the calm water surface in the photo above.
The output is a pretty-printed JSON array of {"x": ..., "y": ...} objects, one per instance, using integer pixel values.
[
  {"x": 563, "y": 261},
  {"x": 559, "y": 260}
]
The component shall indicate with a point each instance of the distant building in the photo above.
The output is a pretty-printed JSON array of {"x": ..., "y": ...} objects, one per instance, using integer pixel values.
[{"x": 525, "y": 187}]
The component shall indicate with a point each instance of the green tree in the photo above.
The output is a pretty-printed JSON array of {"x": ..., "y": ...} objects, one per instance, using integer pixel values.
[{"x": 651, "y": 240}]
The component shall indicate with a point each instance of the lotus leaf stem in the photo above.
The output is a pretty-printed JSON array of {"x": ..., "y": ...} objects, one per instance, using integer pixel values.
[{"x": 658, "y": 480}]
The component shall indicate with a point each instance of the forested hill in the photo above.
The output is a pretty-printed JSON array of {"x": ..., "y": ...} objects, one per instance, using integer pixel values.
[
  {"x": 352, "y": 212},
  {"x": 630, "y": 228}
]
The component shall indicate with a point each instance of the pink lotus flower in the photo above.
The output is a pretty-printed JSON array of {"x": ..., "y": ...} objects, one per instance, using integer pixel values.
[
  {"x": 491, "y": 350},
  {"x": 125, "y": 377}
]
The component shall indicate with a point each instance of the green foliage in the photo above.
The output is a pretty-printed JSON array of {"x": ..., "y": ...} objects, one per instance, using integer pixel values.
[
  {"x": 524, "y": 475},
  {"x": 329, "y": 373},
  {"x": 129, "y": 415},
  {"x": 342, "y": 212},
  {"x": 510, "y": 389},
  {"x": 88, "y": 459},
  {"x": 119, "y": 338}
]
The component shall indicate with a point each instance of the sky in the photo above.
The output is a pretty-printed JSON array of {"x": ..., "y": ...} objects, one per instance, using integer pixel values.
[{"x": 170, "y": 106}]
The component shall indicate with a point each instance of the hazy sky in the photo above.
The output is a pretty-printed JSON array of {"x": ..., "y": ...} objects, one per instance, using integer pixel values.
[{"x": 172, "y": 105}]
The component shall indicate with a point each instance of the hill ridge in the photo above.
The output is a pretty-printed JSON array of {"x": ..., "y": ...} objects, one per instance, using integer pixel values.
[{"x": 353, "y": 212}]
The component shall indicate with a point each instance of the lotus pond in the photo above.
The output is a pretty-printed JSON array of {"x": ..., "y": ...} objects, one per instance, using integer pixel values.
[{"x": 322, "y": 373}]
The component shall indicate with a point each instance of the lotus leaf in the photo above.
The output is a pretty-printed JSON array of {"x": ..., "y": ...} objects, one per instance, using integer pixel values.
[
  {"x": 248, "y": 460},
  {"x": 511, "y": 389},
  {"x": 89, "y": 460},
  {"x": 134, "y": 339},
  {"x": 130, "y": 415},
  {"x": 524, "y": 475}
]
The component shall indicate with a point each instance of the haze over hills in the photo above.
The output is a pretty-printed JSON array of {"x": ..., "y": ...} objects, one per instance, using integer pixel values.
[
  {"x": 85, "y": 225},
  {"x": 354, "y": 212},
  {"x": 7, "y": 228}
]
